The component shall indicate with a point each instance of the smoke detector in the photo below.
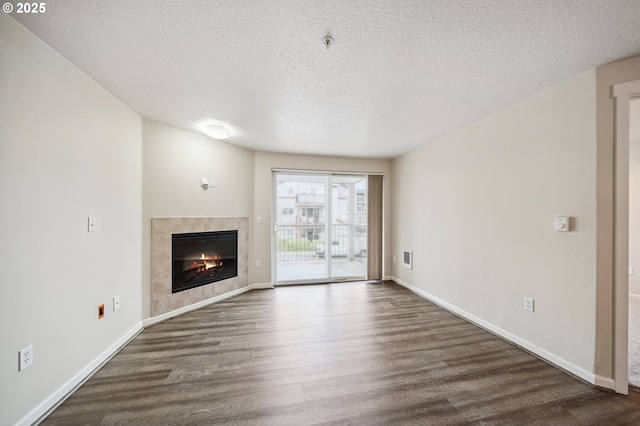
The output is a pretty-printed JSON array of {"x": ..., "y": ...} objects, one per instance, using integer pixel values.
[{"x": 327, "y": 41}]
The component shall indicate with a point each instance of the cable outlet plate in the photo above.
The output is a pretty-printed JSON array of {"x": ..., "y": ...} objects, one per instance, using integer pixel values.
[
  {"x": 25, "y": 357},
  {"x": 528, "y": 304}
]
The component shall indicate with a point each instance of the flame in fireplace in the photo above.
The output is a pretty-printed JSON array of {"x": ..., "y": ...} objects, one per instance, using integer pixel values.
[{"x": 208, "y": 262}]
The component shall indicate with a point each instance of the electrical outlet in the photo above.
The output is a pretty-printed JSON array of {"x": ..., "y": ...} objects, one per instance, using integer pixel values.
[
  {"x": 116, "y": 303},
  {"x": 630, "y": 270},
  {"x": 25, "y": 357},
  {"x": 528, "y": 304},
  {"x": 258, "y": 263}
]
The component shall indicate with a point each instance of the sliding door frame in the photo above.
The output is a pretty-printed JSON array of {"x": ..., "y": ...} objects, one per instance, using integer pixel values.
[{"x": 328, "y": 227}]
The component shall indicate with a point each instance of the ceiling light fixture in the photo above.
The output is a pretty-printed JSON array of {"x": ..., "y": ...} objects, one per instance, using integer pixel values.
[
  {"x": 327, "y": 41},
  {"x": 217, "y": 131}
]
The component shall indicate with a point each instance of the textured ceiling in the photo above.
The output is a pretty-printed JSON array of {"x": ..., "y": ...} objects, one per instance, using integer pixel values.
[{"x": 400, "y": 73}]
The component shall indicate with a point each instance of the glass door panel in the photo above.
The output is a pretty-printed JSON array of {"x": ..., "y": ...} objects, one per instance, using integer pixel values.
[
  {"x": 348, "y": 220},
  {"x": 300, "y": 225}
]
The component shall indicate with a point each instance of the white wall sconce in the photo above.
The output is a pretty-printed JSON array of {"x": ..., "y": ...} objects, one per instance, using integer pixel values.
[{"x": 206, "y": 182}]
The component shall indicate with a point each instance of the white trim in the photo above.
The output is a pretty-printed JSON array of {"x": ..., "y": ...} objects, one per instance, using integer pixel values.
[
  {"x": 159, "y": 318},
  {"x": 58, "y": 397},
  {"x": 261, "y": 286},
  {"x": 622, "y": 94},
  {"x": 330, "y": 172},
  {"x": 604, "y": 382},
  {"x": 531, "y": 347},
  {"x": 634, "y": 296},
  {"x": 629, "y": 88}
]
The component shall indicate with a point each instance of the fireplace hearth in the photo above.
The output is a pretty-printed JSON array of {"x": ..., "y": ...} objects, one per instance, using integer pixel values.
[{"x": 200, "y": 258}]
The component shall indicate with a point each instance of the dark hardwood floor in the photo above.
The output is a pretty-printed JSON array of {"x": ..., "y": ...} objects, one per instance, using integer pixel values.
[{"x": 348, "y": 353}]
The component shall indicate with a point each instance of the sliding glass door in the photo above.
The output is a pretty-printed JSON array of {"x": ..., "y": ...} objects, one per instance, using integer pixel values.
[{"x": 320, "y": 227}]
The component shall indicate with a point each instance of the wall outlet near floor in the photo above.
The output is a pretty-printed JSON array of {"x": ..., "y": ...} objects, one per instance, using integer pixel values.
[
  {"x": 25, "y": 357},
  {"x": 116, "y": 303},
  {"x": 630, "y": 270},
  {"x": 528, "y": 304},
  {"x": 258, "y": 263}
]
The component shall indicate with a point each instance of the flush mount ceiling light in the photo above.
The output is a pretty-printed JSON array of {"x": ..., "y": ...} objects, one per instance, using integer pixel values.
[{"x": 217, "y": 131}]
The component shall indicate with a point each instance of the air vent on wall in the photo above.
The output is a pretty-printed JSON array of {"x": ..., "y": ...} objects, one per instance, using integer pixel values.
[{"x": 407, "y": 259}]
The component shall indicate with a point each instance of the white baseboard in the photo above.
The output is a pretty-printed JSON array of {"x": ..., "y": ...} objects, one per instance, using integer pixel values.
[
  {"x": 262, "y": 286},
  {"x": 525, "y": 344},
  {"x": 159, "y": 318},
  {"x": 58, "y": 397},
  {"x": 604, "y": 382},
  {"x": 54, "y": 400}
]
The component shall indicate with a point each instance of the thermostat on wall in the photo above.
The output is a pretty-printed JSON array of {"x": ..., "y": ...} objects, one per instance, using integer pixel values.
[{"x": 562, "y": 223}]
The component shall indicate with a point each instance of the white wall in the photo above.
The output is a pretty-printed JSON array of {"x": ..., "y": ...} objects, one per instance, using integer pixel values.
[
  {"x": 265, "y": 162},
  {"x": 68, "y": 150},
  {"x": 634, "y": 197},
  {"x": 174, "y": 161},
  {"x": 477, "y": 208}
]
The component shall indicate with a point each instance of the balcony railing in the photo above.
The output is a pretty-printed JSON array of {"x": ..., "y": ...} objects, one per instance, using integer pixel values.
[
  {"x": 308, "y": 242},
  {"x": 312, "y": 199}
]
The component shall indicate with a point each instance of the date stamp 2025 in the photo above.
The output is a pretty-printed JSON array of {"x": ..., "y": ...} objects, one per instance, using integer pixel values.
[{"x": 33, "y": 8}]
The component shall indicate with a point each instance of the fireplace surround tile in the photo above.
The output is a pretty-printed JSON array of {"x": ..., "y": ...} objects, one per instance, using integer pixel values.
[
  {"x": 162, "y": 299},
  {"x": 182, "y": 299},
  {"x": 161, "y": 286},
  {"x": 162, "y": 305}
]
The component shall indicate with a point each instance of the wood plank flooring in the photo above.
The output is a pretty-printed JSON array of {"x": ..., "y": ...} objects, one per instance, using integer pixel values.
[{"x": 334, "y": 354}]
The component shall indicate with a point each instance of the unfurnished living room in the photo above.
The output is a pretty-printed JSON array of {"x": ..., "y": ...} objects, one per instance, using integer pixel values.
[{"x": 290, "y": 212}]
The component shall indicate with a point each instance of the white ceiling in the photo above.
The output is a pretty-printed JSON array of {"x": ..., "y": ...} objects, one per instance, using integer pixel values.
[{"x": 400, "y": 73}]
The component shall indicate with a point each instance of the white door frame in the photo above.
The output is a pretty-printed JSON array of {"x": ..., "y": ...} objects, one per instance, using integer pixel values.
[
  {"x": 329, "y": 175},
  {"x": 622, "y": 94}
]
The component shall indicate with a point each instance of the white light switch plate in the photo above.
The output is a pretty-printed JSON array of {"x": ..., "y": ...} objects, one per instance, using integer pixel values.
[{"x": 91, "y": 224}]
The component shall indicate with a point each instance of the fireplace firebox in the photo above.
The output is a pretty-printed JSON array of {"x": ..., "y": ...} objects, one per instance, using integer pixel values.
[{"x": 201, "y": 258}]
